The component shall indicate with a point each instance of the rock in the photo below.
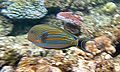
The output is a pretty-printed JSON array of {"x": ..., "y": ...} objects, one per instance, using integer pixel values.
[
  {"x": 85, "y": 66},
  {"x": 73, "y": 5},
  {"x": 36, "y": 64},
  {"x": 5, "y": 26},
  {"x": 7, "y": 69},
  {"x": 100, "y": 44},
  {"x": 80, "y": 53},
  {"x": 105, "y": 65},
  {"x": 107, "y": 44},
  {"x": 116, "y": 19},
  {"x": 108, "y": 57},
  {"x": 8, "y": 57},
  {"x": 117, "y": 67},
  {"x": 110, "y": 7}
]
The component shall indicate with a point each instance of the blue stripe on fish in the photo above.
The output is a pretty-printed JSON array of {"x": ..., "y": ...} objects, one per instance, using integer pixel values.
[
  {"x": 50, "y": 45},
  {"x": 56, "y": 42},
  {"x": 56, "y": 36},
  {"x": 39, "y": 44}
]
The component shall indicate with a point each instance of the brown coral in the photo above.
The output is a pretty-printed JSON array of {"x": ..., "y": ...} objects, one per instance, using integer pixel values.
[{"x": 100, "y": 44}]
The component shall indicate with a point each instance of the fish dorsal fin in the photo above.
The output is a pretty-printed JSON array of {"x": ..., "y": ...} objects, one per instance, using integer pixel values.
[{"x": 60, "y": 29}]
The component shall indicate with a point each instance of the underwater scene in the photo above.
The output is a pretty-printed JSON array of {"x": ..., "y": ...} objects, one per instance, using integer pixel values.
[{"x": 59, "y": 35}]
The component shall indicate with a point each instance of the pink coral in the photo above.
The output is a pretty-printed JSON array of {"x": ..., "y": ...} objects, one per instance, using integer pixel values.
[
  {"x": 70, "y": 17},
  {"x": 74, "y": 19}
]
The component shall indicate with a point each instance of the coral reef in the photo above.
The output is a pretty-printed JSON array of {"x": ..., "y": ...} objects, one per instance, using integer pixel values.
[
  {"x": 106, "y": 66},
  {"x": 73, "y": 5},
  {"x": 110, "y": 7},
  {"x": 62, "y": 4},
  {"x": 70, "y": 18},
  {"x": 101, "y": 24},
  {"x": 7, "y": 69},
  {"x": 117, "y": 35},
  {"x": 64, "y": 63},
  {"x": 116, "y": 19},
  {"x": 5, "y": 26},
  {"x": 100, "y": 44},
  {"x": 22, "y": 9},
  {"x": 100, "y": 17},
  {"x": 72, "y": 59},
  {"x": 36, "y": 65},
  {"x": 95, "y": 22},
  {"x": 72, "y": 23},
  {"x": 8, "y": 57}
]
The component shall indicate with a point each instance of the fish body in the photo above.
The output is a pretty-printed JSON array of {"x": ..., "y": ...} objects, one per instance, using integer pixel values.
[
  {"x": 70, "y": 17},
  {"x": 50, "y": 37}
]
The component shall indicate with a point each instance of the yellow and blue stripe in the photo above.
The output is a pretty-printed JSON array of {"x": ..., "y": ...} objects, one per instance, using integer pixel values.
[{"x": 54, "y": 39}]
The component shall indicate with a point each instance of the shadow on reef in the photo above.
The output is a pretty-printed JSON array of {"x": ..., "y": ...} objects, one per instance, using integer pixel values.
[
  {"x": 117, "y": 1},
  {"x": 22, "y": 26},
  {"x": 117, "y": 50},
  {"x": 53, "y": 10}
]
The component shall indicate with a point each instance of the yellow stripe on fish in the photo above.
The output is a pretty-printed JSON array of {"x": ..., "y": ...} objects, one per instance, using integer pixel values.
[
  {"x": 56, "y": 38},
  {"x": 55, "y": 32}
]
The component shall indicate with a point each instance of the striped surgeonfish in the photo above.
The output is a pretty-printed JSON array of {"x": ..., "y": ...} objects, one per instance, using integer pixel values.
[{"x": 51, "y": 37}]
